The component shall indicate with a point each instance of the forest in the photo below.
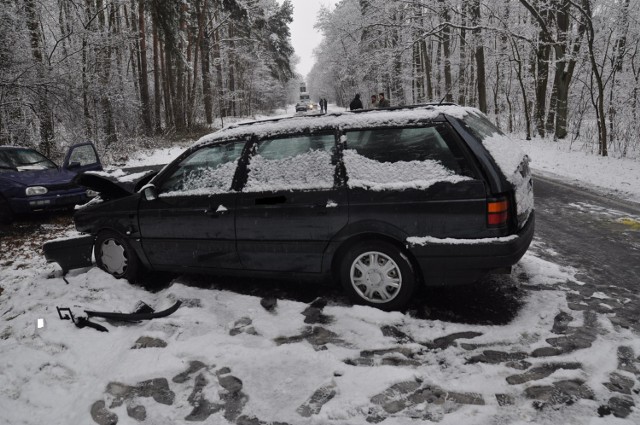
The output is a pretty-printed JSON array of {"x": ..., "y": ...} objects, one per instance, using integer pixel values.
[
  {"x": 118, "y": 72},
  {"x": 560, "y": 69},
  {"x": 122, "y": 72}
]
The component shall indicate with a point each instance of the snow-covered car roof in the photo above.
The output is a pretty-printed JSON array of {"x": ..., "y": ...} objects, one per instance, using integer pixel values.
[{"x": 343, "y": 120}]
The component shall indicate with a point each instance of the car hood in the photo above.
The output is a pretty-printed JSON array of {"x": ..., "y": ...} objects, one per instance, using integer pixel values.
[
  {"x": 48, "y": 177},
  {"x": 113, "y": 186}
]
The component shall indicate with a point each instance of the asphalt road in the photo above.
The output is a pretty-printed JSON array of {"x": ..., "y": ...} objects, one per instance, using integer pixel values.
[{"x": 597, "y": 235}]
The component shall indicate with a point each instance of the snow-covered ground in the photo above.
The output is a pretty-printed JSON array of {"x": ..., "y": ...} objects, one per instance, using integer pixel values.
[
  {"x": 619, "y": 177},
  {"x": 339, "y": 365}
]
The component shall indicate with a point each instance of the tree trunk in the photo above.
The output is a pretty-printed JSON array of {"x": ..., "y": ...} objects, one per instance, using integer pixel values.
[
  {"x": 446, "y": 50},
  {"x": 43, "y": 110},
  {"x": 602, "y": 127},
  {"x": 144, "y": 81},
  {"x": 179, "y": 98},
  {"x": 519, "y": 71},
  {"x": 462, "y": 80},
  {"x": 157, "y": 94},
  {"x": 480, "y": 64},
  {"x": 206, "y": 65}
]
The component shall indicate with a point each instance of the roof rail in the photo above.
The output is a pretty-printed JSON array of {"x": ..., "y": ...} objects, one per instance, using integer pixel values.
[
  {"x": 413, "y": 106},
  {"x": 356, "y": 111}
]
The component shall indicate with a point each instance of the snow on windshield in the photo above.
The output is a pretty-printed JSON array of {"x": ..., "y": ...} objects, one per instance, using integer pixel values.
[
  {"x": 309, "y": 170},
  {"x": 374, "y": 175}
]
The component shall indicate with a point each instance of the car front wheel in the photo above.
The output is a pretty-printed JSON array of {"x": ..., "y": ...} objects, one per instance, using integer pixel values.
[
  {"x": 378, "y": 274},
  {"x": 115, "y": 256}
]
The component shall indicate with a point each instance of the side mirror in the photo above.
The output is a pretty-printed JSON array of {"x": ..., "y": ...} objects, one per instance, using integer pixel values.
[
  {"x": 73, "y": 165},
  {"x": 149, "y": 192}
]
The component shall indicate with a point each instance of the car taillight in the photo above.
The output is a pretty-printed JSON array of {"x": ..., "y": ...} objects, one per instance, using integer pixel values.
[{"x": 497, "y": 212}]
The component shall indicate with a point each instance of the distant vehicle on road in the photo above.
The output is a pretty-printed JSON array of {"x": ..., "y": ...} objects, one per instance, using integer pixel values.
[
  {"x": 306, "y": 106},
  {"x": 29, "y": 181}
]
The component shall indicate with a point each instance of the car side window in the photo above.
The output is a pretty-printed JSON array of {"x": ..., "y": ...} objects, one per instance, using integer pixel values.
[
  {"x": 402, "y": 157},
  {"x": 287, "y": 163},
  {"x": 208, "y": 170}
]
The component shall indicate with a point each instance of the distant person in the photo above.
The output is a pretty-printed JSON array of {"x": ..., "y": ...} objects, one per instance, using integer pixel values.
[
  {"x": 356, "y": 103},
  {"x": 374, "y": 101},
  {"x": 382, "y": 102},
  {"x": 323, "y": 105}
]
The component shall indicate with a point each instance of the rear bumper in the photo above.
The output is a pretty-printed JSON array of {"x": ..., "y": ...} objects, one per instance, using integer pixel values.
[{"x": 450, "y": 262}]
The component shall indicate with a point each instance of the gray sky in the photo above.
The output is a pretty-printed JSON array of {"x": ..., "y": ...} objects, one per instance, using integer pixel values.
[{"x": 304, "y": 37}]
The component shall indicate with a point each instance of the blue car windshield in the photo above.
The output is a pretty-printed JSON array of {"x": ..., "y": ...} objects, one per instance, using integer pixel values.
[{"x": 24, "y": 160}]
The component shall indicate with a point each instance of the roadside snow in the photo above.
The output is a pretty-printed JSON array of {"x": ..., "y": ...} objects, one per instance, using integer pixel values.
[
  {"x": 55, "y": 373},
  {"x": 616, "y": 176}
]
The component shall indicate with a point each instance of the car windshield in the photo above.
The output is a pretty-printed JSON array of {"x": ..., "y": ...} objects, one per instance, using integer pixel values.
[
  {"x": 480, "y": 126},
  {"x": 24, "y": 159}
]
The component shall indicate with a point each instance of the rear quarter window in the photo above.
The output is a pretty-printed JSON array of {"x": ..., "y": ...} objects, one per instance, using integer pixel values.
[{"x": 403, "y": 157}]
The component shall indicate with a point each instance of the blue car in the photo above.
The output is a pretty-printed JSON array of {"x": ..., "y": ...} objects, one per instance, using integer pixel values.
[{"x": 29, "y": 181}]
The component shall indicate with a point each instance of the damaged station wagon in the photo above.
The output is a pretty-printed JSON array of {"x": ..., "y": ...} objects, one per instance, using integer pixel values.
[{"x": 382, "y": 201}]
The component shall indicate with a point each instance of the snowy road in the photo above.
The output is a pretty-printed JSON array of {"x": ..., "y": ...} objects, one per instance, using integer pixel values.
[{"x": 597, "y": 235}]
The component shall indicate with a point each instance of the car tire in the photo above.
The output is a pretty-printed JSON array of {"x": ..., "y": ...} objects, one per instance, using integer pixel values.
[
  {"x": 115, "y": 256},
  {"x": 378, "y": 274},
  {"x": 6, "y": 214}
]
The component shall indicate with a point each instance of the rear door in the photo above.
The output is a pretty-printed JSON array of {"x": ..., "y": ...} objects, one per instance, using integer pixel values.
[
  {"x": 291, "y": 205},
  {"x": 192, "y": 221},
  {"x": 418, "y": 179}
]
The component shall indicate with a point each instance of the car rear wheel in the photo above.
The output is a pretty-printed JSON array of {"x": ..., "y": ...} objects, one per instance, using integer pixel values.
[
  {"x": 115, "y": 256},
  {"x": 378, "y": 274}
]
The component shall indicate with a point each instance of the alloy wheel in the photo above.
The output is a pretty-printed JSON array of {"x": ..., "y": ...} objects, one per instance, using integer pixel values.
[{"x": 376, "y": 277}]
